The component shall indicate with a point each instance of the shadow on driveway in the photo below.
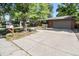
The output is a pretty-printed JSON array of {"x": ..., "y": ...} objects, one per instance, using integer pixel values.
[{"x": 55, "y": 29}]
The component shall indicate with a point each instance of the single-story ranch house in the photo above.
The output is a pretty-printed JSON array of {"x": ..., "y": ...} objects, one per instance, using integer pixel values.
[{"x": 66, "y": 22}]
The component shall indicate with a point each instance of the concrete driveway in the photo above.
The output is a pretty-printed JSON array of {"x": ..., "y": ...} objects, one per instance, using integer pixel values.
[
  {"x": 9, "y": 49},
  {"x": 55, "y": 42}
]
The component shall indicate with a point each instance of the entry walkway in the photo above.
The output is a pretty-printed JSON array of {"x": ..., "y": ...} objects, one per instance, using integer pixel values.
[{"x": 55, "y": 42}]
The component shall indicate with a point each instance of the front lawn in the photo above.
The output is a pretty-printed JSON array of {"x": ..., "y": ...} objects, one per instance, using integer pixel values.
[{"x": 17, "y": 35}]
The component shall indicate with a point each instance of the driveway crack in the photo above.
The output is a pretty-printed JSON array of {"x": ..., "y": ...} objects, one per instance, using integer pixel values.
[{"x": 20, "y": 48}]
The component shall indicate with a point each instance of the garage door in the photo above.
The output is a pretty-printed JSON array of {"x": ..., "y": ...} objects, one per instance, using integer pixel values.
[{"x": 62, "y": 24}]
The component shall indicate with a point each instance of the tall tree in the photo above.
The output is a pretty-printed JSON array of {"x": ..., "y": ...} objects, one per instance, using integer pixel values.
[
  {"x": 5, "y": 8},
  {"x": 33, "y": 7},
  {"x": 67, "y": 9},
  {"x": 22, "y": 10},
  {"x": 39, "y": 10},
  {"x": 50, "y": 7},
  {"x": 44, "y": 10}
]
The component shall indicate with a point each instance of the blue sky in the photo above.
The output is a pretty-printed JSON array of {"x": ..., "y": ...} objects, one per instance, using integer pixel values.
[{"x": 55, "y": 6}]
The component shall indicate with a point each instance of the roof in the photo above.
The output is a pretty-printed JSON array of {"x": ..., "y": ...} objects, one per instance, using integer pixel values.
[{"x": 59, "y": 18}]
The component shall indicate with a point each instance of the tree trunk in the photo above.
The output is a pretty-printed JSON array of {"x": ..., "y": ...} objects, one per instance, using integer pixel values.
[
  {"x": 21, "y": 24},
  {"x": 24, "y": 25}
]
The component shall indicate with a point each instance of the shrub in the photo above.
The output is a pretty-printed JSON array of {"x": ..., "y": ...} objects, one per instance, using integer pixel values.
[
  {"x": 18, "y": 29},
  {"x": 3, "y": 31},
  {"x": 9, "y": 36}
]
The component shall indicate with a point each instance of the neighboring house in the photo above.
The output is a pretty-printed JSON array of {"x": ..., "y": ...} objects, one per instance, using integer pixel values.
[{"x": 65, "y": 22}]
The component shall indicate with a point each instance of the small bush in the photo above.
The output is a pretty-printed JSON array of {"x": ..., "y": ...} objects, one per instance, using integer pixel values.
[
  {"x": 3, "y": 31},
  {"x": 18, "y": 29},
  {"x": 9, "y": 36}
]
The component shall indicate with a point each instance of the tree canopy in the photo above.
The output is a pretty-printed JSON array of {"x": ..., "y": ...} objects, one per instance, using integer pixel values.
[
  {"x": 39, "y": 11},
  {"x": 67, "y": 9},
  {"x": 71, "y": 9},
  {"x": 23, "y": 11}
]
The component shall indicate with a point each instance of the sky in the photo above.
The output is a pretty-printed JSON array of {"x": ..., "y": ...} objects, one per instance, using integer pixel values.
[{"x": 55, "y": 6}]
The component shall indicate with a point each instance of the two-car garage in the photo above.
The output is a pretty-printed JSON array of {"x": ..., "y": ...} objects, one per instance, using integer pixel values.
[{"x": 66, "y": 22}]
